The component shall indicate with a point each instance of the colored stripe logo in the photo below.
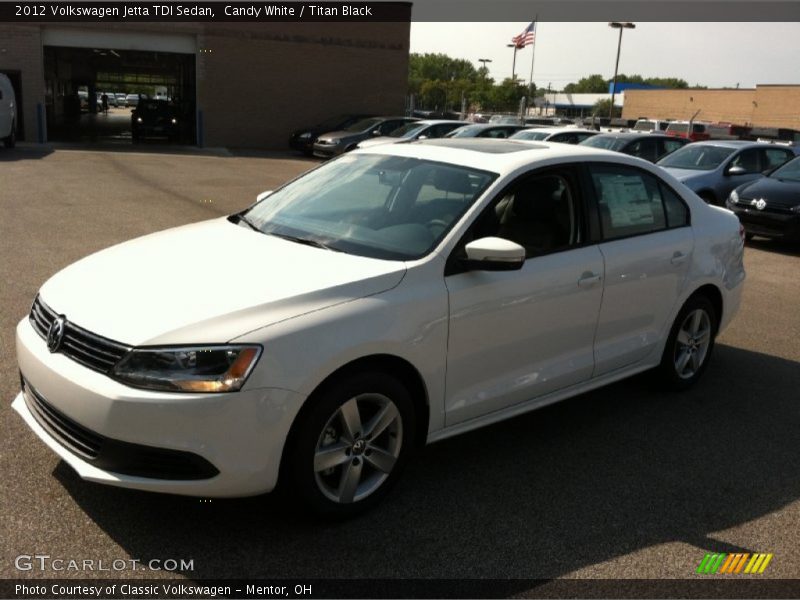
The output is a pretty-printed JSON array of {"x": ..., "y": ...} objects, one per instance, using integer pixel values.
[{"x": 736, "y": 564}]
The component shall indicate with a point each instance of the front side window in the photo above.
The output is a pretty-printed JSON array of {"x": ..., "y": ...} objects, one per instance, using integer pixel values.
[
  {"x": 747, "y": 160},
  {"x": 386, "y": 207},
  {"x": 629, "y": 201},
  {"x": 788, "y": 172},
  {"x": 605, "y": 142},
  {"x": 540, "y": 213}
]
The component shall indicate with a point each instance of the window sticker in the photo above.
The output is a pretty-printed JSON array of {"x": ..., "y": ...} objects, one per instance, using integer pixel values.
[{"x": 627, "y": 200}]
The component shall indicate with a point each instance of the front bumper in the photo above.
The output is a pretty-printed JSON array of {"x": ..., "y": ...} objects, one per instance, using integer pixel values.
[
  {"x": 241, "y": 435},
  {"x": 784, "y": 225},
  {"x": 327, "y": 150}
]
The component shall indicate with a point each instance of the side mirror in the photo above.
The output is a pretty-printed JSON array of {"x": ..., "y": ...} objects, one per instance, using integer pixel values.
[
  {"x": 376, "y": 132},
  {"x": 494, "y": 254},
  {"x": 263, "y": 195},
  {"x": 423, "y": 137},
  {"x": 736, "y": 171}
]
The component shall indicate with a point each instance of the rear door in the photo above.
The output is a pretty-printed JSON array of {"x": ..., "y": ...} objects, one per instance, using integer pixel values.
[{"x": 647, "y": 247}]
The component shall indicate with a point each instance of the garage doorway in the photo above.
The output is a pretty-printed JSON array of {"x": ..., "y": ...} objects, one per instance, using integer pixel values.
[{"x": 77, "y": 78}]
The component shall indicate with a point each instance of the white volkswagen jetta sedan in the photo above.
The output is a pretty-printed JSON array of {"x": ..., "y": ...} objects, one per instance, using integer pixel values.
[{"x": 392, "y": 297}]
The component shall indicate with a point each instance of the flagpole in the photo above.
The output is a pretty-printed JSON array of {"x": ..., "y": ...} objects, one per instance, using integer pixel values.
[{"x": 533, "y": 55}]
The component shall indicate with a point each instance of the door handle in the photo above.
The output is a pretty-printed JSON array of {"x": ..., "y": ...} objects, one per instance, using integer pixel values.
[
  {"x": 678, "y": 258},
  {"x": 588, "y": 279}
]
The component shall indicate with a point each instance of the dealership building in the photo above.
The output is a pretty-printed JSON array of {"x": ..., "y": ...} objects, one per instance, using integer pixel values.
[
  {"x": 773, "y": 106},
  {"x": 234, "y": 84}
]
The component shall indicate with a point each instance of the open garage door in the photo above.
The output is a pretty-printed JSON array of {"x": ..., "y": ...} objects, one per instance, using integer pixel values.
[{"x": 119, "y": 87}]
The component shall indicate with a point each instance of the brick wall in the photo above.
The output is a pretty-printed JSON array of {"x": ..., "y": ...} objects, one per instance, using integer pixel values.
[
  {"x": 765, "y": 106},
  {"x": 256, "y": 85}
]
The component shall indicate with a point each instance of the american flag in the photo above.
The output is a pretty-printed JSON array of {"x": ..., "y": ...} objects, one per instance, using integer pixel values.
[{"x": 526, "y": 38}]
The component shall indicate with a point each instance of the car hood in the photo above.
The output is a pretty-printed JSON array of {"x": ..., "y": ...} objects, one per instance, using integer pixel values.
[
  {"x": 340, "y": 135},
  {"x": 785, "y": 192},
  {"x": 208, "y": 282}
]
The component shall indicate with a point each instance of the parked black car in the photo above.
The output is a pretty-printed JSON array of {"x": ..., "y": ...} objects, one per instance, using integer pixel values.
[
  {"x": 303, "y": 139},
  {"x": 649, "y": 146},
  {"x": 156, "y": 118},
  {"x": 770, "y": 206}
]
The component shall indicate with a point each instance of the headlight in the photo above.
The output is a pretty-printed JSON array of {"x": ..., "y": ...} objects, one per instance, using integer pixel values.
[
  {"x": 138, "y": 119},
  {"x": 174, "y": 121},
  {"x": 795, "y": 208},
  {"x": 189, "y": 369},
  {"x": 734, "y": 197},
  {"x": 304, "y": 136}
]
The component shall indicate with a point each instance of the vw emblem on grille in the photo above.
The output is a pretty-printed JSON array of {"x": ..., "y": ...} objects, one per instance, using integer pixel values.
[
  {"x": 55, "y": 335},
  {"x": 760, "y": 204}
]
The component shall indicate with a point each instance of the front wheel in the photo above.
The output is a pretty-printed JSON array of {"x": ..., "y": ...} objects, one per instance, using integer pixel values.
[
  {"x": 690, "y": 343},
  {"x": 351, "y": 444}
]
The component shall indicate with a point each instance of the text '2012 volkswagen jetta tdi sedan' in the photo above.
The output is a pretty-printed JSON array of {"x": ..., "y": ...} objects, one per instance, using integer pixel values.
[{"x": 392, "y": 297}]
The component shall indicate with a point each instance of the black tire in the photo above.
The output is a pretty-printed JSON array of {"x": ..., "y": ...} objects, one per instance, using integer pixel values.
[
  {"x": 11, "y": 140},
  {"x": 668, "y": 370},
  {"x": 321, "y": 425}
]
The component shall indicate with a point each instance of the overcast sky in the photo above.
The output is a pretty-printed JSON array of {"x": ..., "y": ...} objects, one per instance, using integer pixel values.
[{"x": 710, "y": 54}]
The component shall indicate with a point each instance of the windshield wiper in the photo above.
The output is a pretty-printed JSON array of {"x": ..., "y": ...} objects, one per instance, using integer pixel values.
[
  {"x": 240, "y": 218},
  {"x": 306, "y": 241}
]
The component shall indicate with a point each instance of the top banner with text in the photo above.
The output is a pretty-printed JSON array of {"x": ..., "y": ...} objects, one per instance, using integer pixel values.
[{"x": 392, "y": 11}]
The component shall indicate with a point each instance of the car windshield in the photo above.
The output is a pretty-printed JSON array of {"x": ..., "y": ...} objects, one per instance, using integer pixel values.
[
  {"x": 467, "y": 131},
  {"x": 644, "y": 126},
  {"x": 606, "y": 142},
  {"x": 530, "y": 134},
  {"x": 363, "y": 125},
  {"x": 407, "y": 130},
  {"x": 790, "y": 171},
  {"x": 696, "y": 157},
  {"x": 387, "y": 207}
]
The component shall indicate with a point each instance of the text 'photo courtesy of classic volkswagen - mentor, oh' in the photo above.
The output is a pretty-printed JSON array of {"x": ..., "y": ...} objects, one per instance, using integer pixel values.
[{"x": 389, "y": 298}]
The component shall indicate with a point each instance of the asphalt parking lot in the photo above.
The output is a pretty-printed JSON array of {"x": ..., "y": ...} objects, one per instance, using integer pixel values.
[{"x": 625, "y": 482}]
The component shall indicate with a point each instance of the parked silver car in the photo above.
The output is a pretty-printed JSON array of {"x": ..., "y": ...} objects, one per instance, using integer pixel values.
[{"x": 334, "y": 143}]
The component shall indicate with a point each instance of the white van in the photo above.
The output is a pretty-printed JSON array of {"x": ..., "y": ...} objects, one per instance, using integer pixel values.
[{"x": 8, "y": 112}]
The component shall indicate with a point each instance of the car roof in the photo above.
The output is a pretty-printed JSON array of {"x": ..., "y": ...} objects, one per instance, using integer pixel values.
[
  {"x": 736, "y": 144},
  {"x": 496, "y": 155},
  {"x": 441, "y": 122},
  {"x": 560, "y": 130}
]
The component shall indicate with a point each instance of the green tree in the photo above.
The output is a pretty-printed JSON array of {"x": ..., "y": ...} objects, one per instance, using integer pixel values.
[
  {"x": 594, "y": 84},
  {"x": 601, "y": 108}
]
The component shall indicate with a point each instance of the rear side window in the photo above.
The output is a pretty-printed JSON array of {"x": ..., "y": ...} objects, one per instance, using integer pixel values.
[
  {"x": 775, "y": 157},
  {"x": 632, "y": 202}
]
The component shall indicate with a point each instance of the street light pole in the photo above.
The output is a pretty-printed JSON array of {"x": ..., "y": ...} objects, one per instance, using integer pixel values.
[
  {"x": 617, "y": 25},
  {"x": 514, "y": 61},
  {"x": 483, "y": 62}
]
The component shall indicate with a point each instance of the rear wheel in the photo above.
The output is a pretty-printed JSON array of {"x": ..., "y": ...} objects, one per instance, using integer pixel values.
[
  {"x": 350, "y": 445},
  {"x": 690, "y": 343}
]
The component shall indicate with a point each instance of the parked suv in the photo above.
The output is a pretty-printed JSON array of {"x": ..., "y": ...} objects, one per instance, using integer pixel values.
[{"x": 8, "y": 112}]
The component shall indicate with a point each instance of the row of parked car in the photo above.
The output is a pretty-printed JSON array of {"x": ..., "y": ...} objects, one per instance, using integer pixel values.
[{"x": 760, "y": 181}]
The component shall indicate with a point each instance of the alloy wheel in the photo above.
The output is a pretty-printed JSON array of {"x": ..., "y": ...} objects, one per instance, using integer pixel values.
[
  {"x": 358, "y": 448},
  {"x": 692, "y": 343}
]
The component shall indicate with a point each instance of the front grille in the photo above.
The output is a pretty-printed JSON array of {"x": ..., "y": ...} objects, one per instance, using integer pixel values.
[
  {"x": 91, "y": 350},
  {"x": 113, "y": 455},
  {"x": 67, "y": 432}
]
